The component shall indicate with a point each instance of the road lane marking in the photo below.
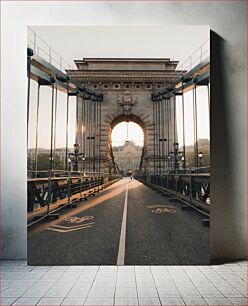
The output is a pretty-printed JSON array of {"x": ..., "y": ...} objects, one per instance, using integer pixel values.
[
  {"x": 122, "y": 243},
  {"x": 69, "y": 230},
  {"x": 71, "y": 220},
  {"x": 75, "y": 226}
]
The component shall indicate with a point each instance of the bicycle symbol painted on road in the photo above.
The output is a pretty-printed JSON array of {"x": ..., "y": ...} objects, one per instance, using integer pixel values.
[
  {"x": 162, "y": 209},
  {"x": 70, "y": 220},
  {"x": 78, "y": 219}
]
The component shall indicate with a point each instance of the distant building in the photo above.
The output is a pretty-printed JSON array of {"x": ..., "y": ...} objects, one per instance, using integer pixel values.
[{"x": 127, "y": 157}]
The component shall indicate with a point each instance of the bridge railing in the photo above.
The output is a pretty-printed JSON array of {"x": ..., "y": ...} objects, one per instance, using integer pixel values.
[
  {"x": 200, "y": 54},
  {"x": 41, "y": 48},
  {"x": 46, "y": 190},
  {"x": 191, "y": 187},
  {"x": 62, "y": 189}
]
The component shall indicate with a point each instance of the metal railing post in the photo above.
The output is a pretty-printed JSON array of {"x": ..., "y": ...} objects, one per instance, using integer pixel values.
[
  {"x": 69, "y": 187},
  {"x": 80, "y": 177},
  {"x": 190, "y": 187},
  {"x": 49, "y": 191}
]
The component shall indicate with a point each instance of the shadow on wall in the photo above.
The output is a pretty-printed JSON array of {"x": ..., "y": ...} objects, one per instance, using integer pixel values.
[{"x": 224, "y": 232}]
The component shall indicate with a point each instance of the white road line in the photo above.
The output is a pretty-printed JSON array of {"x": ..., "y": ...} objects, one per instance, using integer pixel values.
[{"x": 122, "y": 243}]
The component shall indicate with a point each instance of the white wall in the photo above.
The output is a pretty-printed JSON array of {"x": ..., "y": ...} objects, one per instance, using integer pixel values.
[{"x": 228, "y": 130}]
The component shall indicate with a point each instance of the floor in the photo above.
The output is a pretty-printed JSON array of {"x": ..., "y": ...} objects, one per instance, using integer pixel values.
[{"x": 123, "y": 285}]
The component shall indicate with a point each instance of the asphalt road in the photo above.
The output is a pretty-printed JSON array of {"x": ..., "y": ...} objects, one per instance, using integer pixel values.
[{"x": 128, "y": 223}]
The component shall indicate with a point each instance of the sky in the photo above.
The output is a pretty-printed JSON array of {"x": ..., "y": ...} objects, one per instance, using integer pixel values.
[
  {"x": 127, "y": 131},
  {"x": 176, "y": 43}
]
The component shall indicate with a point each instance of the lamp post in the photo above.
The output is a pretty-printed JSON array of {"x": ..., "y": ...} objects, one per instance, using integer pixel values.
[
  {"x": 162, "y": 140},
  {"x": 183, "y": 163},
  {"x": 69, "y": 183},
  {"x": 50, "y": 184},
  {"x": 175, "y": 154},
  {"x": 50, "y": 165},
  {"x": 76, "y": 155},
  {"x": 200, "y": 155},
  {"x": 169, "y": 163}
]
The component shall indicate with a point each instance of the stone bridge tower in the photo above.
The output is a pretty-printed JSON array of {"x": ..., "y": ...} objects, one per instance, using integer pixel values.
[{"x": 126, "y": 85}]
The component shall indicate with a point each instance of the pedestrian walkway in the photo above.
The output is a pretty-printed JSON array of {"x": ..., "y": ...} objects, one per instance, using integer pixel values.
[
  {"x": 123, "y": 285},
  {"x": 128, "y": 223}
]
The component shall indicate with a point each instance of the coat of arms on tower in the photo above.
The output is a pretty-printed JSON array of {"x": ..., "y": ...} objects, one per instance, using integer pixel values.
[{"x": 126, "y": 102}]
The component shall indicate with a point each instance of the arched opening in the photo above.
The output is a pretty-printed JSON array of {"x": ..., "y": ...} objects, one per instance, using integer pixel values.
[{"x": 127, "y": 138}]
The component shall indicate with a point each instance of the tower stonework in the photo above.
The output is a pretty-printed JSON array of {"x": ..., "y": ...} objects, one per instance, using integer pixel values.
[{"x": 126, "y": 85}]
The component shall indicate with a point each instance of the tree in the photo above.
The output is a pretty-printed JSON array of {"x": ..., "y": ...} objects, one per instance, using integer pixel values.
[
  {"x": 29, "y": 163},
  {"x": 190, "y": 157},
  {"x": 43, "y": 162}
]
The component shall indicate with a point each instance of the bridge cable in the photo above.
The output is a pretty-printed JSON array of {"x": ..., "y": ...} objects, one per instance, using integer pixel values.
[
  {"x": 159, "y": 136},
  {"x": 174, "y": 118},
  {"x": 29, "y": 60},
  {"x": 80, "y": 132},
  {"x": 168, "y": 136},
  {"x": 67, "y": 122},
  {"x": 195, "y": 127},
  {"x": 193, "y": 95},
  {"x": 97, "y": 135},
  {"x": 169, "y": 140},
  {"x": 156, "y": 156},
  {"x": 94, "y": 140},
  {"x": 90, "y": 134},
  {"x": 50, "y": 156},
  {"x": 55, "y": 122},
  {"x": 37, "y": 129},
  {"x": 87, "y": 135},
  {"x": 208, "y": 102},
  {"x": 51, "y": 133},
  {"x": 184, "y": 152},
  {"x": 100, "y": 132},
  {"x": 154, "y": 136},
  {"x": 84, "y": 133},
  {"x": 163, "y": 134}
]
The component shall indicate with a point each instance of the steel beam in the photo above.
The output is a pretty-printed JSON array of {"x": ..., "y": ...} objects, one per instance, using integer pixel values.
[{"x": 42, "y": 69}]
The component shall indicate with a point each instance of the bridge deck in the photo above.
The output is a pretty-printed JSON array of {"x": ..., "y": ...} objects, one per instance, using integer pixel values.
[{"x": 157, "y": 231}]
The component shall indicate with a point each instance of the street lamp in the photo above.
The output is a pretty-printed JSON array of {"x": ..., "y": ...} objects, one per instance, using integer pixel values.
[
  {"x": 50, "y": 165},
  {"x": 200, "y": 155},
  {"x": 76, "y": 155},
  {"x": 175, "y": 154},
  {"x": 69, "y": 183},
  {"x": 76, "y": 148},
  {"x": 169, "y": 159},
  {"x": 176, "y": 146},
  {"x": 183, "y": 161}
]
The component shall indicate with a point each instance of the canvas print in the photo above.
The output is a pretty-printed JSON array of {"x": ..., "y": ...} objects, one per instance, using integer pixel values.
[{"x": 118, "y": 145}]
